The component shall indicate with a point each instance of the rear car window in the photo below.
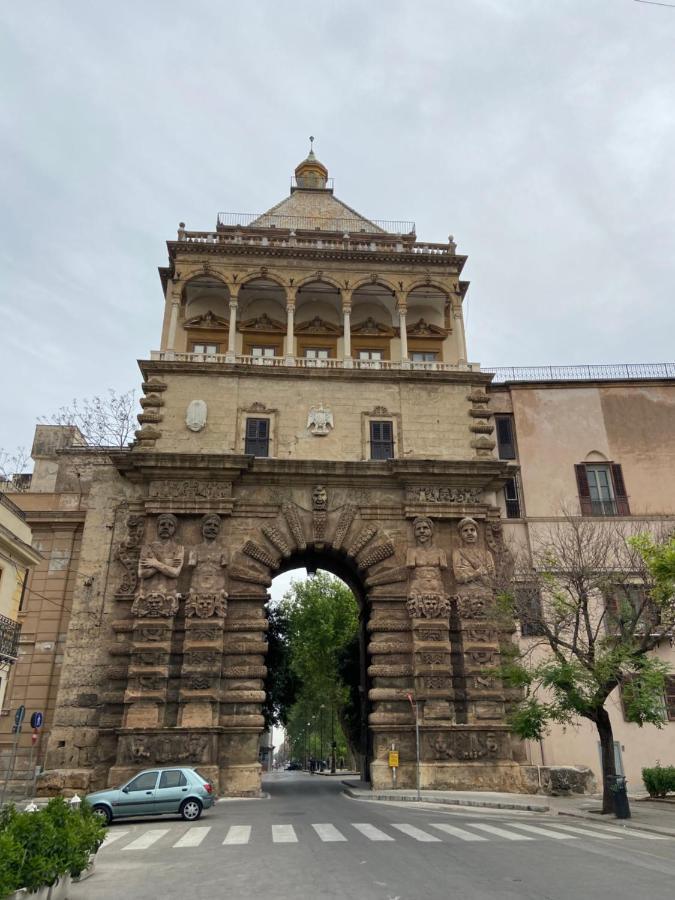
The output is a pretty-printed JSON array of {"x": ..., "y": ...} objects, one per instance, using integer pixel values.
[{"x": 172, "y": 779}]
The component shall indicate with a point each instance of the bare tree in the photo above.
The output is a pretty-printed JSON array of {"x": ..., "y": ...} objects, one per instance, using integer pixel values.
[
  {"x": 14, "y": 469},
  {"x": 107, "y": 421},
  {"x": 592, "y": 594}
]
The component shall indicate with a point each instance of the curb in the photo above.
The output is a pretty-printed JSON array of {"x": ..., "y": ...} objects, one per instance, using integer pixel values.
[
  {"x": 616, "y": 823},
  {"x": 448, "y": 801}
]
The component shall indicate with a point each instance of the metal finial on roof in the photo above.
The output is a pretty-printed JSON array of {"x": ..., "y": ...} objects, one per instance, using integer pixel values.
[{"x": 311, "y": 143}]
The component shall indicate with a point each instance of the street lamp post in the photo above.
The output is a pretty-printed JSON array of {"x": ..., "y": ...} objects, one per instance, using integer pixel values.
[{"x": 322, "y": 707}]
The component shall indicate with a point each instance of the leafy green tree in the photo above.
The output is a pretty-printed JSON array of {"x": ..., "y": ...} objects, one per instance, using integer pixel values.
[
  {"x": 321, "y": 618},
  {"x": 599, "y": 598},
  {"x": 281, "y": 683}
]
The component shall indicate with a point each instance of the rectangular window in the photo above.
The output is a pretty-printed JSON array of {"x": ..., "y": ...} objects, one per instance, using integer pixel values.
[
  {"x": 512, "y": 498},
  {"x": 209, "y": 349},
  {"x": 624, "y": 602},
  {"x": 372, "y": 355},
  {"x": 264, "y": 352},
  {"x": 257, "y": 441},
  {"x": 528, "y": 604},
  {"x": 381, "y": 440},
  {"x": 506, "y": 436},
  {"x": 602, "y": 491},
  {"x": 316, "y": 353},
  {"x": 172, "y": 779},
  {"x": 423, "y": 356},
  {"x": 669, "y": 697}
]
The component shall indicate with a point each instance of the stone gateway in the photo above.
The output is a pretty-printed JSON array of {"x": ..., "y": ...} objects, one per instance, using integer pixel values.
[{"x": 307, "y": 321}]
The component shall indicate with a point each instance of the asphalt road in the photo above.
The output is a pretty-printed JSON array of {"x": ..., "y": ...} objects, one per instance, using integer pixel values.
[{"x": 309, "y": 841}]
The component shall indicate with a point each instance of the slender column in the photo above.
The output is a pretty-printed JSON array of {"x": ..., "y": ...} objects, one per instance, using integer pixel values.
[
  {"x": 232, "y": 336},
  {"x": 459, "y": 329},
  {"x": 290, "y": 324},
  {"x": 402, "y": 312},
  {"x": 173, "y": 322},
  {"x": 347, "y": 325}
]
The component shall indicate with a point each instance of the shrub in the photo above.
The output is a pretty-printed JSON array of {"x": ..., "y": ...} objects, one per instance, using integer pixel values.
[
  {"x": 659, "y": 780},
  {"x": 38, "y": 847}
]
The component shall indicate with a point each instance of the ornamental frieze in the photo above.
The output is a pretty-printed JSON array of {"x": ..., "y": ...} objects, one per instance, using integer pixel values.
[
  {"x": 190, "y": 490},
  {"x": 433, "y": 494}
]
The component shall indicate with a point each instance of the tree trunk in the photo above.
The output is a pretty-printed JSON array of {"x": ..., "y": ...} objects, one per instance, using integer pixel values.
[{"x": 604, "y": 726}]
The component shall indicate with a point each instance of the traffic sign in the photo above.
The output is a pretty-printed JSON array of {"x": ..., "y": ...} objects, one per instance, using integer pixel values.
[
  {"x": 36, "y": 720},
  {"x": 393, "y": 759},
  {"x": 20, "y": 713}
]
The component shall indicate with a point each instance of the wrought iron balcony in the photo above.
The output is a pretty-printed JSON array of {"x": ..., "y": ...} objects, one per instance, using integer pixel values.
[{"x": 9, "y": 639}]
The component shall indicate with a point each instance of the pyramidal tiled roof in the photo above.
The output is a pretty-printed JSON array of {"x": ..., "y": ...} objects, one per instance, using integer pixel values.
[{"x": 308, "y": 206}]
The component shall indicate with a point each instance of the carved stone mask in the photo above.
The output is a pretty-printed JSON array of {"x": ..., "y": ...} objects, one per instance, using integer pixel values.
[
  {"x": 210, "y": 527},
  {"x": 166, "y": 526},
  {"x": 319, "y": 497}
]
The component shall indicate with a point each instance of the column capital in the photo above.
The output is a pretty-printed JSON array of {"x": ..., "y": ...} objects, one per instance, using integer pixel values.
[
  {"x": 290, "y": 296},
  {"x": 233, "y": 288},
  {"x": 346, "y": 297}
]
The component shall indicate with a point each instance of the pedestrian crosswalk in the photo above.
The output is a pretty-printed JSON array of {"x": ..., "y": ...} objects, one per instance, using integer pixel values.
[{"x": 189, "y": 837}]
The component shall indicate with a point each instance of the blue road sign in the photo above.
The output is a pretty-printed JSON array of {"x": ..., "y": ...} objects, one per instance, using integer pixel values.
[{"x": 36, "y": 720}]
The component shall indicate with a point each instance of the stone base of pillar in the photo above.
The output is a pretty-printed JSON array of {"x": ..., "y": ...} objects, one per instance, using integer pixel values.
[
  {"x": 230, "y": 357},
  {"x": 506, "y": 776}
]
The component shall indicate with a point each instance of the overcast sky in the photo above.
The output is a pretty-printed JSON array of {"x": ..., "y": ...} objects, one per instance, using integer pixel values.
[{"x": 541, "y": 134}]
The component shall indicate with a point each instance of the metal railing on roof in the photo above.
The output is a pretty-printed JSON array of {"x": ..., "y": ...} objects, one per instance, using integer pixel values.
[
  {"x": 345, "y": 225},
  {"x": 614, "y": 372}
]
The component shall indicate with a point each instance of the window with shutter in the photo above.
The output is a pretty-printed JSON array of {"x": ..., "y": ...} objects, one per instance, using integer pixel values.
[
  {"x": 602, "y": 491},
  {"x": 381, "y": 440},
  {"x": 506, "y": 441},
  {"x": 669, "y": 697},
  {"x": 257, "y": 442},
  {"x": 512, "y": 499}
]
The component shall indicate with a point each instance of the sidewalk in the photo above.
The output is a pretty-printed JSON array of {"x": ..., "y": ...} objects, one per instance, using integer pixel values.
[{"x": 647, "y": 815}]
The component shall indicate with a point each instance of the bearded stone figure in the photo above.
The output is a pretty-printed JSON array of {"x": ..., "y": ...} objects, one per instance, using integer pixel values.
[
  {"x": 207, "y": 596},
  {"x": 426, "y": 594},
  {"x": 159, "y": 565},
  {"x": 474, "y": 571}
]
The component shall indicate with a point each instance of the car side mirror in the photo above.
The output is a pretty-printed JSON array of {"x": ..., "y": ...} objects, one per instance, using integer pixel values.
[{"x": 125, "y": 790}]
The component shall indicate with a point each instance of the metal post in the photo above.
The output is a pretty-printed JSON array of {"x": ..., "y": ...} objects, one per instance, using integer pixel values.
[
  {"x": 29, "y": 781},
  {"x": 417, "y": 749},
  {"x": 332, "y": 738},
  {"x": 10, "y": 767},
  {"x": 321, "y": 730}
]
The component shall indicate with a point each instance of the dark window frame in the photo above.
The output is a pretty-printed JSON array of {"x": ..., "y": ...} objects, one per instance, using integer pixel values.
[
  {"x": 669, "y": 697},
  {"x": 505, "y": 430},
  {"x": 381, "y": 433},
  {"x": 257, "y": 436},
  {"x": 514, "y": 506}
]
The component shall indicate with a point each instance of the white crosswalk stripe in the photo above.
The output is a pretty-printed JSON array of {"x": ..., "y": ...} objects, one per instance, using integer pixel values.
[
  {"x": 193, "y": 837},
  {"x": 238, "y": 834},
  {"x": 544, "y": 832},
  {"x": 458, "y": 832},
  {"x": 147, "y": 839},
  {"x": 501, "y": 832},
  {"x": 284, "y": 834},
  {"x": 586, "y": 833},
  {"x": 329, "y": 833},
  {"x": 111, "y": 837},
  {"x": 371, "y": 832},
  {"x": 417, "y": 833}
]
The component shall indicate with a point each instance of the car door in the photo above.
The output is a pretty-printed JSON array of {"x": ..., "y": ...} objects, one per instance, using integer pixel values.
[
  {"x": 172, "y": 789},
  {"x": 137, "y": 798}
]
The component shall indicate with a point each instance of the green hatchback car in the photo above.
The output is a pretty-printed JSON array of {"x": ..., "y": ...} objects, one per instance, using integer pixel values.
[{"x": 155, "y": 792}]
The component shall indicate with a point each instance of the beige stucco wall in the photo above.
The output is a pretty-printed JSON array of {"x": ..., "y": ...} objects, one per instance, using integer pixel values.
[
  {"x": 431, "y": 418},
  {"x": 630, "y": 424}
]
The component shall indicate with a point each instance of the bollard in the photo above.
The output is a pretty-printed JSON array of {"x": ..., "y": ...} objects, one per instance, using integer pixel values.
[{"x": 617, "y": 785}]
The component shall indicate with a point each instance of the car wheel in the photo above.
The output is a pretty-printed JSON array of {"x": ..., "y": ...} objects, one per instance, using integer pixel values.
[
  {"x": 103, "y": 814},
  {"x": 191, "y": 810}
]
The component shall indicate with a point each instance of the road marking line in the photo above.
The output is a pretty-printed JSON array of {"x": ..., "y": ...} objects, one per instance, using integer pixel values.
[
  {"x": 147, "y": 840},
  {"x": 458, "y": 832},
  {"x": 587, "y": 833},
  {"x": 417, "y": 833},
  {"x": 238, "y": 834},
  {"x": 630, "y": 832},
  {"x": 329, "y": 833},
  {"x": 284, "y": 834},
  {"x": 111, "y": 837},
  {"x": 193, "y": 837},
  {"x": 544, "y": 832},
  {"x": 371, "y": 832},
  {"x": 500, "y": 832}
]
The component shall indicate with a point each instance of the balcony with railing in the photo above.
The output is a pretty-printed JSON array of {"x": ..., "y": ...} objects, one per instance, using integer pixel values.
[
  {"x": 614, "y": 372},
  {"x": 9, "y": 640},
  {"x": 307, "y": 363}
]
